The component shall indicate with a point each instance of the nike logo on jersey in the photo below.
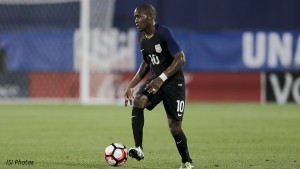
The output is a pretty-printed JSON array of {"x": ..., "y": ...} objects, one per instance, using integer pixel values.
[
  {"x": 142, "y": 50},
  {"x": 179, "y": 114},
  {"x": 132, "y": 116}
]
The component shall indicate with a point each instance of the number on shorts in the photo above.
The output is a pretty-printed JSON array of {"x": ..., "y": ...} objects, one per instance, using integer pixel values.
[{"x": 180, "y": 106}]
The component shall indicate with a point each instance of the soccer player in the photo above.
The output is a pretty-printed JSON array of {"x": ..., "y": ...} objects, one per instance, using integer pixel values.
[{"x": 164, "y": 58}]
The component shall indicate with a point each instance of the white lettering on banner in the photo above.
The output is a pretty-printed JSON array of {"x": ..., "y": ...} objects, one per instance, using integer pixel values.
[
  {"x": 250, "y": 59},
  {"x": 296, "y": 90},
  {"x": 109, "y": 50},
  {"x": 9, "y": 90},
  {"x": 281, "y": 95},
  {"x": 280, "y": 50},
  {"x": 271, "y": 49},
  {"x": 297, "y": 53}
]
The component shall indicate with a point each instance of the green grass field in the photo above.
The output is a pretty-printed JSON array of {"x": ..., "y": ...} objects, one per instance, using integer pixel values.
[{"x": 220, "y": 136}]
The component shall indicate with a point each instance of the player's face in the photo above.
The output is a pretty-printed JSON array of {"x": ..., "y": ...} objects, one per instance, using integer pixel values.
[{"x": 142, "y": 21}]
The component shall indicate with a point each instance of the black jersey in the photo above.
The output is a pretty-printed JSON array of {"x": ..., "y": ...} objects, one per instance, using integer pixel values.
[{"x": 158, "y": 51}]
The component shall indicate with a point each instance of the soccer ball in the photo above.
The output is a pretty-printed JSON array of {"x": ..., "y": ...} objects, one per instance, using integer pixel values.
[{"x": 116, "y": 154}]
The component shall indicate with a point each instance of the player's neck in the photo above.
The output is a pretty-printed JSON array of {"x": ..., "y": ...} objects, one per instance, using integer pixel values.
[{"x": 149, "y": 34}]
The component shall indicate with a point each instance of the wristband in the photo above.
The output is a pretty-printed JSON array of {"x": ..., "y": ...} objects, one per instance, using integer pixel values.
[{"x": 163, "y": 77}]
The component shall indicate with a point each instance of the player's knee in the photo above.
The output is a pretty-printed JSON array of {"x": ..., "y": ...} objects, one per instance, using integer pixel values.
[
  {"x": 175, "y": 127},
  {"x": 140, "y": 101},
  {"x": 175, "y": 130}
]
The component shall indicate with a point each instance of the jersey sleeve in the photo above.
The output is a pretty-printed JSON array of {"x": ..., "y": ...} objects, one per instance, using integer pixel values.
[
  {"x": 140, "y": 36},
  {"x": 171, "y": 43},
  {"x": 145, "y": 57}
]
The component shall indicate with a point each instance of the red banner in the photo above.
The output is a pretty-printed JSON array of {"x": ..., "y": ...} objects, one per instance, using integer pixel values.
[
  {"x": 223, "y": 86},
  {"x": 216, "y": 86},
  {"x": 199, "y": 86},
  {"x": 54, "y": 85}
]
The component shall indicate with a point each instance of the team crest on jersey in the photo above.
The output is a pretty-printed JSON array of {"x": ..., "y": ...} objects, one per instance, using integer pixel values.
[{"x": 158, "y": 48}]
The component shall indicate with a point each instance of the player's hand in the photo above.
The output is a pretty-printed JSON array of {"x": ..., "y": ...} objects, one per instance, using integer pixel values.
[
  {"x": 128, "y": 96},
  {"x": 154, "y": 85}
]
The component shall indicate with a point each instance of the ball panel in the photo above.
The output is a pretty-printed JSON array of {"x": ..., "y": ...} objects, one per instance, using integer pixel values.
[
  {"x": 110, "y": 160},
  {"x": 126, "y": 153},
  {"x": 109, "y": 150},
  {"x": 118, "y": 154},
  {"x": 119, "y": 145},
  {"x": 121, "y": 162}
]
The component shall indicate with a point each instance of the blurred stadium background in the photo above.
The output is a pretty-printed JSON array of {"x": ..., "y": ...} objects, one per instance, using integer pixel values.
[
  {"x": 73, "y": 50},
  {"x": 240, "y": 55}
]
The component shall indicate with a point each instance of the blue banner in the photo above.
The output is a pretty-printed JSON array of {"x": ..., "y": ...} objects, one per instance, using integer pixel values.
[
  {"x": 239, "y": 51},
  {"x": 38, "y": 50},
  {"x": 205, "y": 51}
]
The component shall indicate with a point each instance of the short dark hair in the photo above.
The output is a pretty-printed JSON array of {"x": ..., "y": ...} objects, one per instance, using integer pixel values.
[{"x": 148, "y": 9}]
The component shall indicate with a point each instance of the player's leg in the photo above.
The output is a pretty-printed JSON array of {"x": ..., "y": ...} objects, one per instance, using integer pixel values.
[
  {"x": 141, "y": 101},
  {"x": 181, "y": 142},
  {"x": 137, "y": 124},
  {"x": 137, "y": 118},
  {"x": 174, "y": 103}
]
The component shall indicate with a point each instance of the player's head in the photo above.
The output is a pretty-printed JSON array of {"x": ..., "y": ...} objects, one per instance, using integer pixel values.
[{"x": 144, "y": 17}]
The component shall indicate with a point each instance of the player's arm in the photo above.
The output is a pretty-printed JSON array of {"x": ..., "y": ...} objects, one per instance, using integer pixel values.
[
  {"x": 175, "y": 50},
  {"x": 179, "y": 60},
  {"x": 140, "y": 74}
]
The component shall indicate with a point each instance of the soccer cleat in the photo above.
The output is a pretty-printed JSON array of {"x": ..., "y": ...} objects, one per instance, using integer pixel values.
[
  {"x": 136, "y": 152},
  {"x": 186, "y": 165}
]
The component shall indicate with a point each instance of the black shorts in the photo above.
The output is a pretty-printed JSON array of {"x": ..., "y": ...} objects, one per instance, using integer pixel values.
[{"x": 173, "y": 96}]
